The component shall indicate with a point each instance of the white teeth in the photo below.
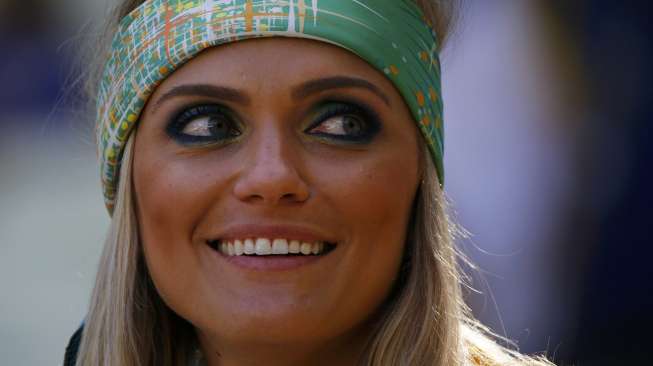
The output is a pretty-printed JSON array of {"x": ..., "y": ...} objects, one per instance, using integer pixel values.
[
  {"x": 249, "y": 246},
  {"x": 280, "y": 246},
  {"x": 306, "y": 248},
  {"x": 293, "y": 247},
  {"x": 316, "y": 248},
  {"x": 238, "y": 247},
  {"x": 265, "y": 246}
]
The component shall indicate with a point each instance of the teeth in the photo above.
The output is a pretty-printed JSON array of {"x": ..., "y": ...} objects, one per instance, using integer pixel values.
[
  {"x": 265, "y": 246},
  {"x": 279, "y": 246},
  {"x": 293, "y": 247},
  {"x": 306, "y": 248},
  {"x": 238, "y": 247},
  {"x": 249, "y": 246}
]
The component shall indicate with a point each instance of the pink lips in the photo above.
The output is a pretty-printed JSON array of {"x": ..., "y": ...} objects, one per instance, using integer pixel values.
[{"x": 271, "y": 262}]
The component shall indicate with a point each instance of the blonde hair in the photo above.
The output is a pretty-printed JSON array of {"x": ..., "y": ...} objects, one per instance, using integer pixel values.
[{"x": 424, "y": 322}]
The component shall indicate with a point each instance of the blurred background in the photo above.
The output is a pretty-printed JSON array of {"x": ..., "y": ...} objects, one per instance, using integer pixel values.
[{"x": 549, "y": 157}]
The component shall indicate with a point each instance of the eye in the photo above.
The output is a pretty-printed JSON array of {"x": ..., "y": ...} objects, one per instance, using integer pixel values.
[
  {"x": 204, "y": 124},
  {"x": 341, "y": 125},
  {"x": 345, "y": 121}
]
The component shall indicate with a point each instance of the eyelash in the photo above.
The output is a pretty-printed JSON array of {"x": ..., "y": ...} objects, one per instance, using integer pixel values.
[
  {"x": 185, "y": 117},
  {"x": 368, "y": 119},
  {"x": 327, "y": 110}
]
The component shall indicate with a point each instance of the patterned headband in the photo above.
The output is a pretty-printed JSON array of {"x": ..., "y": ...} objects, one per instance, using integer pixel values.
[{"x": 159, "y": 36}]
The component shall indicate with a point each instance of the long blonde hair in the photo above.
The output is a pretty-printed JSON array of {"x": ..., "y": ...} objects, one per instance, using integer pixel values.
[{"x": 424, "y": 322}]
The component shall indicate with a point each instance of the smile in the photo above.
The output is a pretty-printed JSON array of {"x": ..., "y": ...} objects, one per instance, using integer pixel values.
[{"x": 270, "y": 247}]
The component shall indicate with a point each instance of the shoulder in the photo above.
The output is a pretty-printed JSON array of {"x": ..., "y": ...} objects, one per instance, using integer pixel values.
[{"x": 70, "y": 357}]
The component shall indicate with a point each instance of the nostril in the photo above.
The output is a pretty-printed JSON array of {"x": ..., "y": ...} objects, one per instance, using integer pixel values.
[
  {"x": 291, "y": 197},
  {"x": 255, "y": 198},
  {"x": 271, "y": 184},
  {"x": 279, "y": 197}
]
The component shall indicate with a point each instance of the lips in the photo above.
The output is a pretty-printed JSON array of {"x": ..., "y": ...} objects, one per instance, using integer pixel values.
[
  {"x": 262, "y": 246},
  {"x": 271, "y": 241},
  {"x": 270, "y": 254}
]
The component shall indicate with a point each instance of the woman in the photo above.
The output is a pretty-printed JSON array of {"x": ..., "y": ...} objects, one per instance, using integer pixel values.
[{"x": 274, "y": 174}]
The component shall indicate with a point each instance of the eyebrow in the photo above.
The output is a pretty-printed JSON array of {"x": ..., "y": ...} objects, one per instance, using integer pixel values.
[
  {"x": 336, "y": 82},
  {"x": 204, "y": 90},
  {"x": 298, "y": 92}
]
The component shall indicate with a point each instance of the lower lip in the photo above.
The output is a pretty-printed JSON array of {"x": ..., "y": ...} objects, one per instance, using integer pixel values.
[{"x": 271, "y": 262}]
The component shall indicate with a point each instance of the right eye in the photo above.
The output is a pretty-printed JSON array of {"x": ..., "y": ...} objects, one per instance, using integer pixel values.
[{"x": 204, "y": 124}]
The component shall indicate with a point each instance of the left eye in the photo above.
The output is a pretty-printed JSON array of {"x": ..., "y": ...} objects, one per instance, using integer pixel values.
[
  {"x": 345, "y": 122},
  {"x": 207, "y": 126},
  {"x": 202, "y": 125},
  {"x": 345, "y": 125}
]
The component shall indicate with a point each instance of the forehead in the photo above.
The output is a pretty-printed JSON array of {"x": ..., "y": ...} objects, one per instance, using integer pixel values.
[{"x": 274, "y": 62}]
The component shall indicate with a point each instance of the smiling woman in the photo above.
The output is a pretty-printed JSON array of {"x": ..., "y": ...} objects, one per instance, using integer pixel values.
[
  {"x": 276, "y": 199},
  {"x": 264, "y": 170}
]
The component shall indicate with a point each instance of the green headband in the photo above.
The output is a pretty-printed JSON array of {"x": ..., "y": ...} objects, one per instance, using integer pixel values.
[{"x": 161, "y": 35}]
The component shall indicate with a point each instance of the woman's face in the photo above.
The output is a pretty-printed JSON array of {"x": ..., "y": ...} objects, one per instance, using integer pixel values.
[{"x": 267, "y": 139}]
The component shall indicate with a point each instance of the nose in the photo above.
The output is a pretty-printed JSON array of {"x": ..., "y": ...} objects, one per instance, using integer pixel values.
[{"x": 270, "y": 173}]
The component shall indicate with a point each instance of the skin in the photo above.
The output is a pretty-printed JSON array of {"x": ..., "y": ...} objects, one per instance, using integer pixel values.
[{"x": 276, "y": 172}]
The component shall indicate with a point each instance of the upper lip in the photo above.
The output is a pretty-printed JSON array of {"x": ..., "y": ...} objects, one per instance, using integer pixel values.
[{"x": 273, "y": 231}]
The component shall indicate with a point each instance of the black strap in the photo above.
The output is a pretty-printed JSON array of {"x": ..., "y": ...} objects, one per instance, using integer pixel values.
[{"x": 73, "y": 346}]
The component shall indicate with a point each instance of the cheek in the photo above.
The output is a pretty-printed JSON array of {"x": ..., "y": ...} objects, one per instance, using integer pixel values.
[
  {"x": 174, "y": 190},
  {"x": 172, "y": 193},
  {"x": 373, "y": 199},
  {"x": 373, "y": 195},
  {"x": 165, "y": 193}
]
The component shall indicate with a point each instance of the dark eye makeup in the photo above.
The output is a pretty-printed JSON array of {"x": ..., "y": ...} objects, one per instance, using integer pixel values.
[
  {"x": 214, "y": 124},
  {"x": 345, "y": 121},
  {"x": 203, "y": 124}
]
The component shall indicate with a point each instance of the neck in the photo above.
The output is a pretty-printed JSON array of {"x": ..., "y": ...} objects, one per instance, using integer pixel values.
[{"x": 346, "y": 350}]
